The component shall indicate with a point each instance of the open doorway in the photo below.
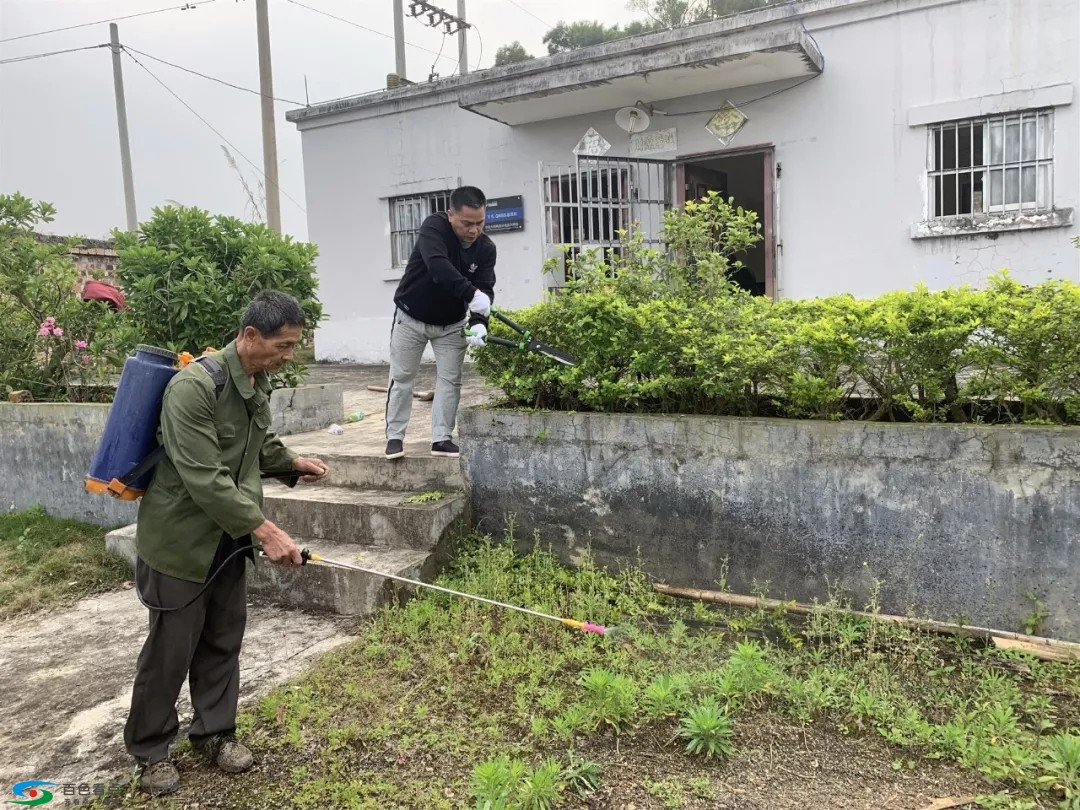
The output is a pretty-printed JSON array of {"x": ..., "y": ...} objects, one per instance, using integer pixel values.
[{"x": 748, "y": 177}]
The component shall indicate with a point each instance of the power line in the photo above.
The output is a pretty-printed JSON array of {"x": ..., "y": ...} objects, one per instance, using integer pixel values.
[
  {"x": 364, "y": 27},
  {"x": 432, "y": 74},
  {"x": 210, "y": 126},
  {"x": 210, "y": 78},
  {"x": 514, "y": 3},
  {"x": 28, "y": 57},
  {"x": 185, "y": 7},
  {"x": 479, "y": 58}
]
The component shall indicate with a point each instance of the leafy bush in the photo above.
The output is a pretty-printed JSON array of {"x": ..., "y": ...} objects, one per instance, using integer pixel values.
[
  {"x": 55, "y": 345},
  {"x": 188, "y": 277},
  {"x": 668, "y": 331}
]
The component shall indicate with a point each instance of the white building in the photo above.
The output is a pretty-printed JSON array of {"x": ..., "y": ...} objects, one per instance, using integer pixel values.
[{"x": 886, "y": 142}]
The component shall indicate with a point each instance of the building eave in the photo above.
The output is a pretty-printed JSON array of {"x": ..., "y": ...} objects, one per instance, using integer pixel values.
[
  {"x": 663, "y": 71},
  {"x": 775, "y": 35}
]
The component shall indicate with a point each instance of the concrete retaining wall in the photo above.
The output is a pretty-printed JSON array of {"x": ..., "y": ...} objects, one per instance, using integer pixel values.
[
  {"x": 953, "y": 521},
  {"x": 46, "y": 450},
  {"x": 310, "y": 407}
]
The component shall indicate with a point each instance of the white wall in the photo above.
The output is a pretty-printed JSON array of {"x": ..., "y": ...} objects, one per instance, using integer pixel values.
[{"x": 853, "y": 180}]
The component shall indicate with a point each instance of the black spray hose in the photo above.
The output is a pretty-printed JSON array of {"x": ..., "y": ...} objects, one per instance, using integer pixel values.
[
  {"x": 292, "y": 478},
  {"x": 202, "y": 590}
]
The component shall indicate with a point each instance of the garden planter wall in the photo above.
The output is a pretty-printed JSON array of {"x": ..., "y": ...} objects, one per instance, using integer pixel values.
[
  {"x": 46, "y": 450},
  {"x": 953, "y": 521}
]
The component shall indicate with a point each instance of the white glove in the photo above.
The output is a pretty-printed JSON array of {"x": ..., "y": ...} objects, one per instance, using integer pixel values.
[
  {"x": 480, "y": 304},
  {"x": 478, "y": 336}
]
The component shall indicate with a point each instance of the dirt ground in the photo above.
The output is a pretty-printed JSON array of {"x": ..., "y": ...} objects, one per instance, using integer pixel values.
[{"x": 66, "y": 681}]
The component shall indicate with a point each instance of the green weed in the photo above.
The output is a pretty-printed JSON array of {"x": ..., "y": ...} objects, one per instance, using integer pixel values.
[{"x": 707, "y": 729}]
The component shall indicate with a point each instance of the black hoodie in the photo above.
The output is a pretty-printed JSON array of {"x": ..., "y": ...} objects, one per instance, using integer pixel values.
[{"x": 442, "y": 276}]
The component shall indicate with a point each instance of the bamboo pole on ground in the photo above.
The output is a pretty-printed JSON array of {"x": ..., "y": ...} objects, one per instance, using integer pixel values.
[{"x": 1047, "y": 649}]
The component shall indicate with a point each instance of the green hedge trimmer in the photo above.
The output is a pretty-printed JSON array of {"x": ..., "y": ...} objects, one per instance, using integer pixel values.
[{"x": 527, "y": 343}]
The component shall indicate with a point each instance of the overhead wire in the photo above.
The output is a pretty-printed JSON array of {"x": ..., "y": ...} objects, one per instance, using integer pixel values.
[
  {"x": 211, "y": 78},
  {"x": 31, "y": 56},
  {"x": 185, "y": 7},
  {"x": 364, "y": 27},
  {"x": 432, "y": 74},
  {"x": 481, "y": 41},
  {"x": 211, "y": 127},
  {"x": 545, "y": 22}
]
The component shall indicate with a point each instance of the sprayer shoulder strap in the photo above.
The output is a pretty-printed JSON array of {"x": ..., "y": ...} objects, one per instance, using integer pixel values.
[{"x": 220, "y": 375}]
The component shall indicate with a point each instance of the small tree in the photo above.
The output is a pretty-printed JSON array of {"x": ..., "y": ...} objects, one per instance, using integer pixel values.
[
  {"x": 511, "y": 54},
  {"x": 189, "y": 276},
  {"x": 581, "y": 34}
]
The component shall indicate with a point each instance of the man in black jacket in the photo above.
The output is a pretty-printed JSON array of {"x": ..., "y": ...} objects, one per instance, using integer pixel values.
[{"x": 449, "y": 284}]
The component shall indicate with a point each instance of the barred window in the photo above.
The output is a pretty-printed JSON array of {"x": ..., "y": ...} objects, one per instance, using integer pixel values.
[
  {"x": 990, "y": 165},
  {"x": 407, "y": 214}
]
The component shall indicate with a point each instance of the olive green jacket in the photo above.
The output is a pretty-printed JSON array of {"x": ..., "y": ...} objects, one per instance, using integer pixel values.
[{"x": 209, "y": 482}]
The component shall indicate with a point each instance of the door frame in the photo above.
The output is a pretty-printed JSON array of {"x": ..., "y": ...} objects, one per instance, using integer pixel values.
[{"x": 768, "y": 153}]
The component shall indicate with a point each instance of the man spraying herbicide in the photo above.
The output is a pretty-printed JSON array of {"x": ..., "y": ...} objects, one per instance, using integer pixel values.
[
  {"x": 449, "y": 284},
  {"x": 196, "y": 524}
]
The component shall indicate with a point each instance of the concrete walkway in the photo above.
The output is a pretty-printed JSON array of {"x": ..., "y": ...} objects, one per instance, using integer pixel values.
[
  {"x": 66, "y": 676},
  {"x": 66, "y": 681},
  {"x": 368, "y": 437}
]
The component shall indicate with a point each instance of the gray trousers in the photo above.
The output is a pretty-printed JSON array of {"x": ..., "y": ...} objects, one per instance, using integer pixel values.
[
  {"x": 408, "y": 339},
  {"x": 200, "y": 643}
]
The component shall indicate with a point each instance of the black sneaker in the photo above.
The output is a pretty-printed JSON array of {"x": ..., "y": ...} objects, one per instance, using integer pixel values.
[
  {"x": 395, "y": 449},
  {"x": 447, "y": 449}
]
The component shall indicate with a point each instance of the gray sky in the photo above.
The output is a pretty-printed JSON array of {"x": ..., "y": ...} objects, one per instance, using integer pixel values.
[{"x": 58, "y": 136}]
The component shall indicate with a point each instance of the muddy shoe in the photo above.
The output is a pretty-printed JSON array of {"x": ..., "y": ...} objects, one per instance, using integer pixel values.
[
  {"x": 159, "y": 778},
  {"x": 227, "y": 754}
]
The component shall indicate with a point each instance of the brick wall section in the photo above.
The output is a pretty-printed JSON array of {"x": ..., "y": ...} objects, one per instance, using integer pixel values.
[{"x": 92, "y": 257}]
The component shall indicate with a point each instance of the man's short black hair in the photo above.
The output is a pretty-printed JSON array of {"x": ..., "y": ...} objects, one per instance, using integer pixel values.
[
  {"x": 271, "y": 310},
  {"x": 467, "y": 197}
]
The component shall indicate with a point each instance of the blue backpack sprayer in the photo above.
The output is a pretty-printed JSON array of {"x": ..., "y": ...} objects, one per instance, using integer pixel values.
[{"x": 123, "y": 464}]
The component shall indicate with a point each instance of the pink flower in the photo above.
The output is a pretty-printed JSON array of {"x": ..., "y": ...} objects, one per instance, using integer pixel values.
[
  {"x": 58, "y": 331},
  {"x": 50, "y": 320},
  {"x": 80, "y": 344},
  {"x": 86, "y": 359},
  {"x": 44, "y": 331}
]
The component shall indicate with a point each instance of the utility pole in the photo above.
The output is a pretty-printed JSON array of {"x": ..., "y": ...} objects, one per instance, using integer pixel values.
[
  {"x": 121, "y": 124},
  {"x": 266, "y": 88},
  {"x": 463, "y": 42},
  {"x": 399, "y": 39}
]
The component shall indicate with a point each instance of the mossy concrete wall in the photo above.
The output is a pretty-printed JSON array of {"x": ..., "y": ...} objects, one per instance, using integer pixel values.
[
  {"x": 46, "y": 450},
  {"x": 952, "y": 521}
]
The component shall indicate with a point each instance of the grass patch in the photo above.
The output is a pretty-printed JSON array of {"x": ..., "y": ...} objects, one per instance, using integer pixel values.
[
  {"x": 446, "y": 703},
  {"x": 46, "y": 561}
]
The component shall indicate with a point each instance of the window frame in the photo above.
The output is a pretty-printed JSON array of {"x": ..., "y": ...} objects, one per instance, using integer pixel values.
[
  {"x": 407, "y": 213},
  {"x": 999, "y": 156}
]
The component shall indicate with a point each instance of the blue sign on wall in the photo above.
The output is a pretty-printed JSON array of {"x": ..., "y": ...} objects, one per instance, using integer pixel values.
[{"x": 504, "y": 214}]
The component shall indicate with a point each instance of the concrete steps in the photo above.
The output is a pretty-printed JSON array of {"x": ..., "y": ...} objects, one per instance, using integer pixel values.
[
  {"x": 360, "y": 515},
  {"x": 338, "y": 590},
  {"x": 367, "y": 517},
  {"x": 323, "y": 587},
  {"x": 418, "y": 471}
]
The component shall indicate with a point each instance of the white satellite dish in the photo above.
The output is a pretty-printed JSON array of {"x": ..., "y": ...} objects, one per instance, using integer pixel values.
[{"x": 632, "y": 119}]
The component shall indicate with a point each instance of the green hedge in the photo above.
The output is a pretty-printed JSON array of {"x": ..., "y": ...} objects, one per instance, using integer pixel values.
[{"x": 650, "y": 335}]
